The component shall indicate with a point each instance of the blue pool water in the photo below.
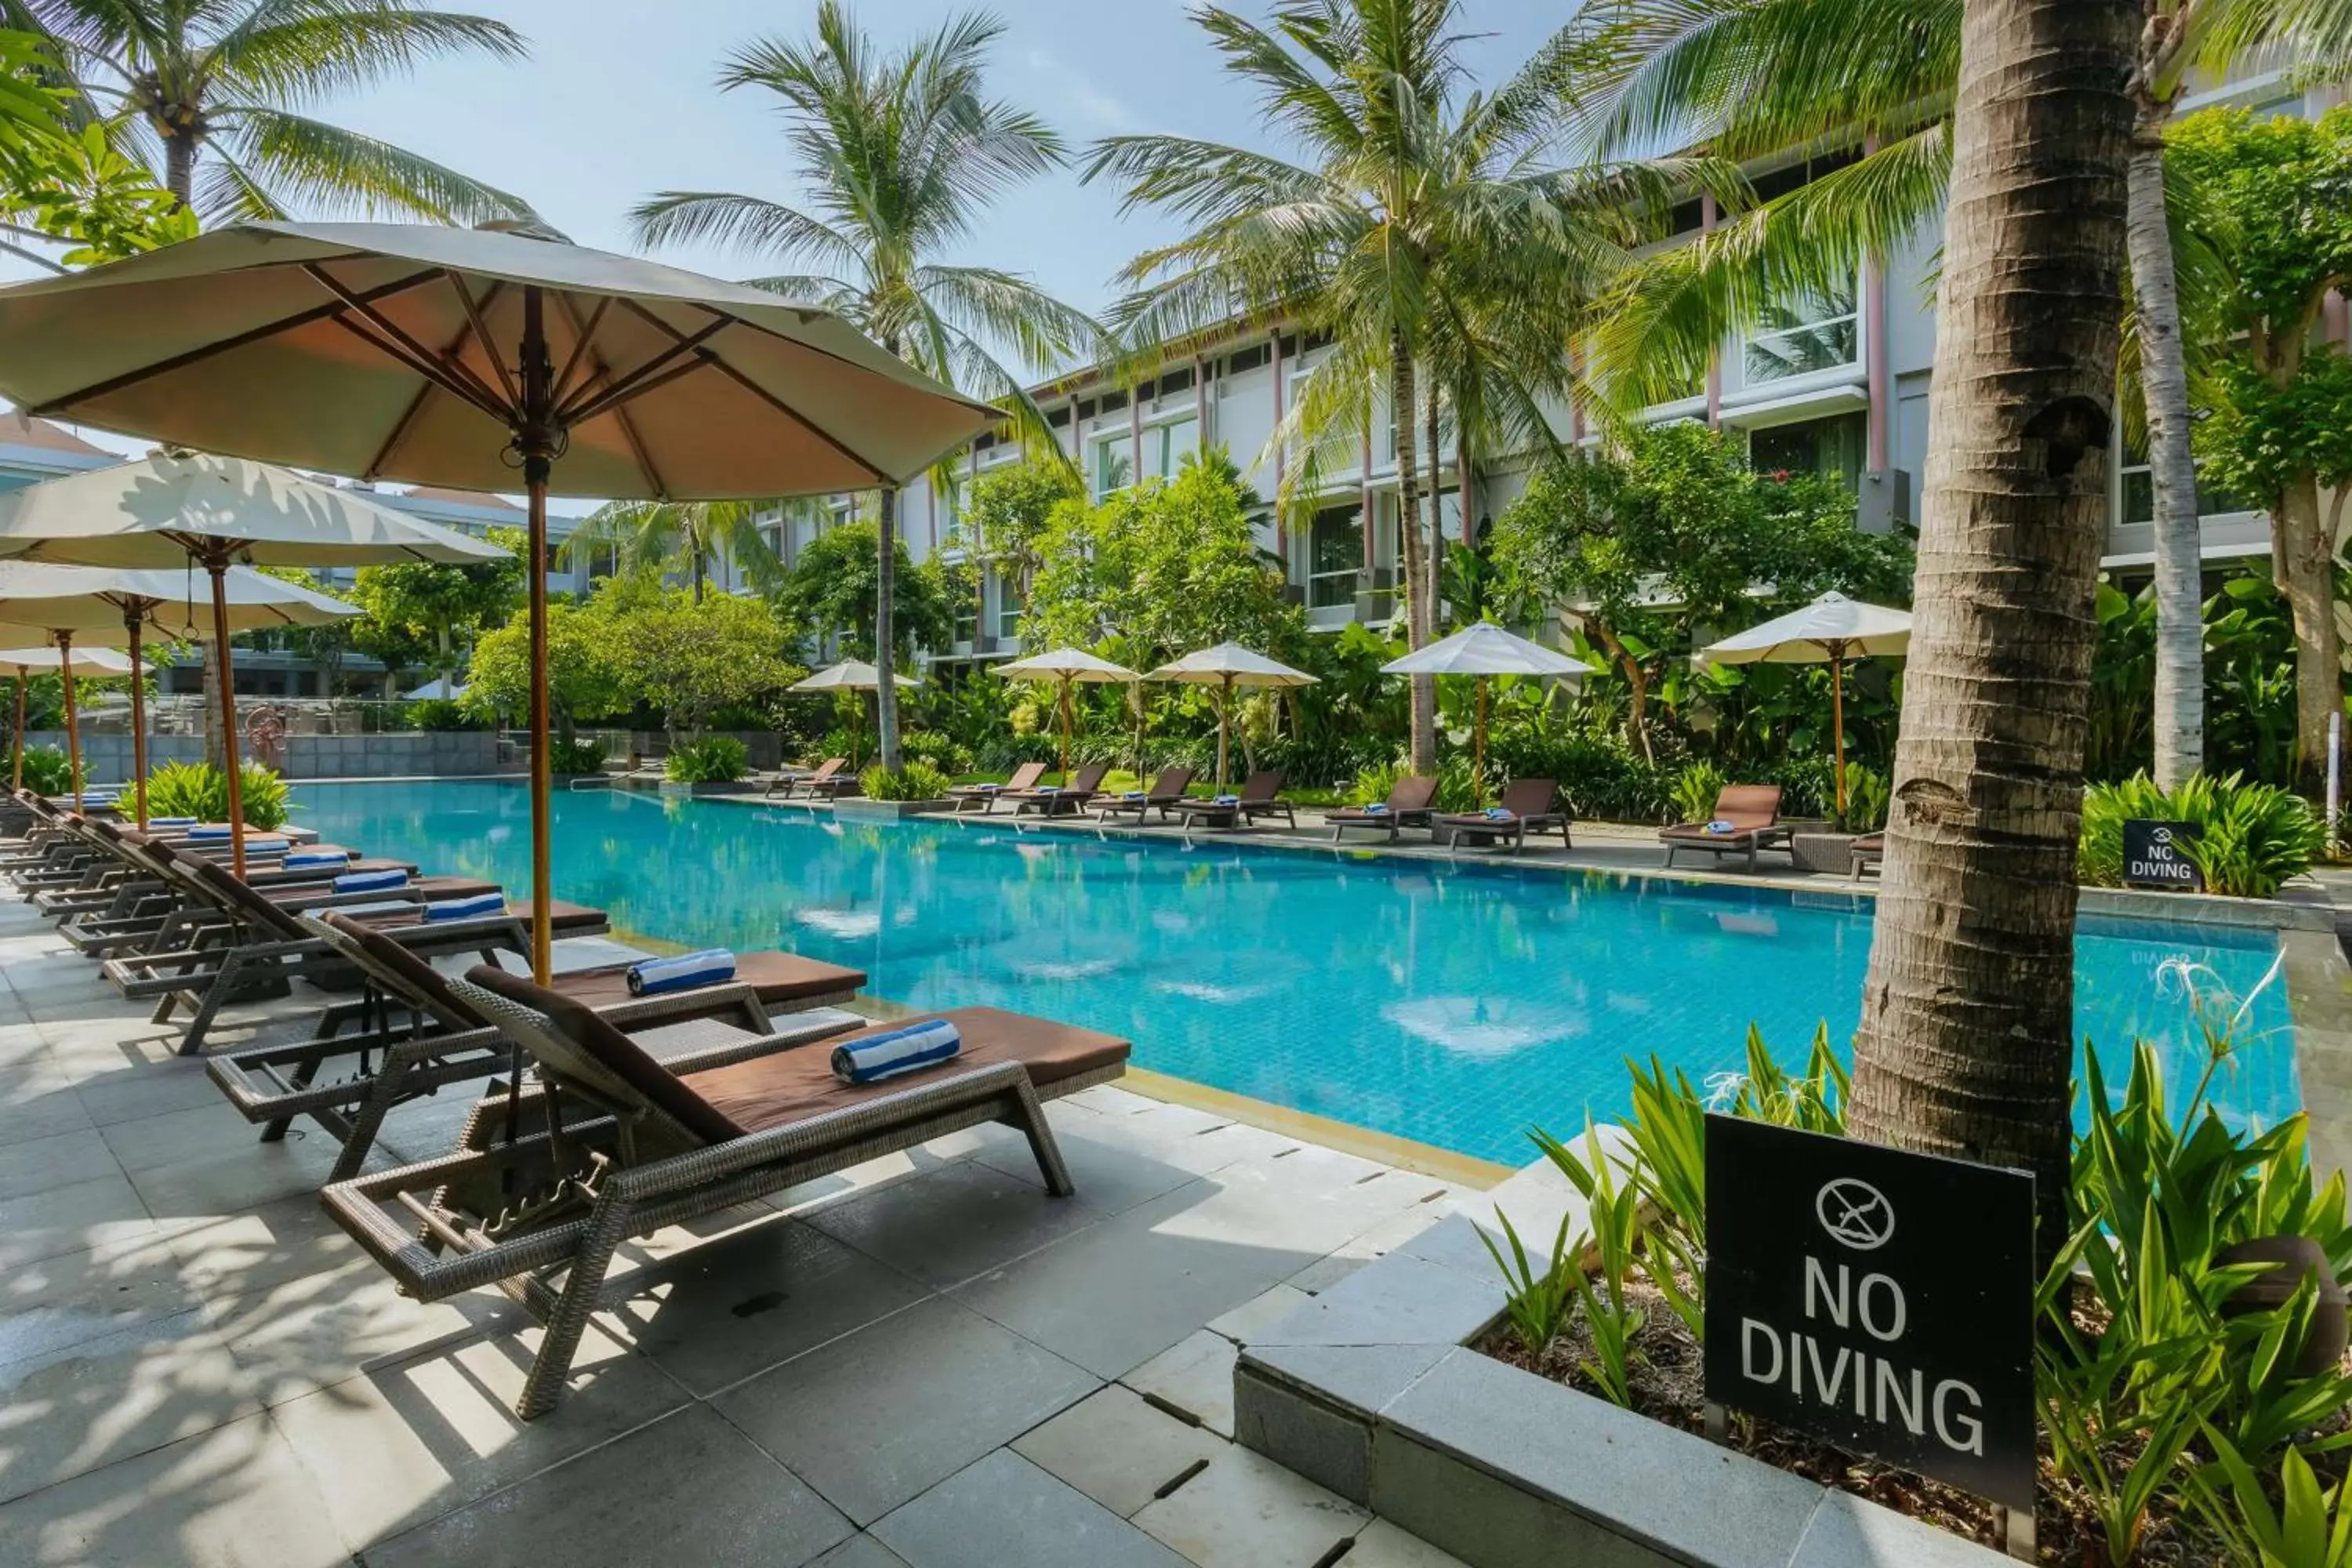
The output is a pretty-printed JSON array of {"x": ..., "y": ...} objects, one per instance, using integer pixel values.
[{"x": 1452, "y": 1004}]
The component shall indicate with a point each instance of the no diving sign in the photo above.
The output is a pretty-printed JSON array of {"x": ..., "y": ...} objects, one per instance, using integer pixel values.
[{"x": 1879, "y": 1300}]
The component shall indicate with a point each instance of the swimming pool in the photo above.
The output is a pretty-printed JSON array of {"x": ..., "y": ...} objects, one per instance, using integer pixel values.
[{"x": 1455, "y": 1006}]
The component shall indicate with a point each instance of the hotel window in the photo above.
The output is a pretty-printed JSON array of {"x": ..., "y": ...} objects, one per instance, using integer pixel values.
[
  {"x": 1832, "y": 446},
  {"x": 2137, "y": 502},
  {"x": 1166, "y": 446},
  {"x": 1114, "y": 466},
  {"x": 1009, "y": 608},
  {"x": 1813, "y": 331},
  {"x": 1335, "y": 555}
]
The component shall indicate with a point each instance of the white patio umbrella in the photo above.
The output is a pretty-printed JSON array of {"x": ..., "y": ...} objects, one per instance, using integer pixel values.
[
  {"x": 1069, "y": 665},
  {"x": 85, "y": 605},
  {"x": 1484, "y": 649},
  {"x": 189, "y": 510},
  {"x": 76, "y": 663},
  {"x": 456, "y": 357},
  {"x": 1832, "y": 629},
  {"x": 849, "y": 674},
  {"x": 1225, "y": 667}
]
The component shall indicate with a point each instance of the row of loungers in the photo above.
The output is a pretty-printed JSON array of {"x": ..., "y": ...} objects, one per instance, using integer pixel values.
[
  {"x": 1526, "y": 807},
  {"x": 605, "y": 1115}
]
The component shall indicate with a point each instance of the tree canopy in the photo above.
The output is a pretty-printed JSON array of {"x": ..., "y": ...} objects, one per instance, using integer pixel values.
[
  {"x": 420, "y": 614},
  {"x": 834, "y": 586}
]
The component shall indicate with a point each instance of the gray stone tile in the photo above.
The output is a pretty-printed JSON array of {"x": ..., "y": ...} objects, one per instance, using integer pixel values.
[
  {"x": 263, "y": 1249},
  {"x": 1482, "y": 1519},
  {"x": 876, "y": 1418},
  {"x": 201, "y": 1162},
  {"x": 1383, "y": 1545},
  {"x": 1848, "y": 1532},
  {"x": 1363, "y": 1378},
  {"x": 409, "y": 1443},
  {"x": 68, "y": 1218},
  {"x": 1005, "y": 1510},
  {"x": 731, "y": 1308},
  {"x": 1195, "y": 1375},
  {"x": 151, "y": 1089},
  {"x": 860, "y": 1552},
  {"x": 1111, "y": 1173},
  {"x": 1398, "y": 1300},
  {"x": 232, "y": 1497},
  {"x": 954, "y": 1223},
  {"x": 1253, "y": 1317},
  {"x": 51, "y": 1305},
  {"x": 44, "y": 1165},
  {"x": 1117, "y": 1449},
  {"x": 687, "y": 1489},
  {"x": 347, "y": 1321},
  {"x": 1247, "y": 1511},
  {"x": 38, "y": 1101}
]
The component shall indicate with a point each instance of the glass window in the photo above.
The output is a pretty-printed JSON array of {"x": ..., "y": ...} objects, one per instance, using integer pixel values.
[
  {"x": 1813, "y": 331},
  {"x": 1165, "y": 447},
  {"x": 1335, "y": 555},
  {"x": 1009, "y": 608},
  {"x": 1832, "y": 446},
  {"x": 2137, "y": 502},
  {"x": 1114, "y": 464}
]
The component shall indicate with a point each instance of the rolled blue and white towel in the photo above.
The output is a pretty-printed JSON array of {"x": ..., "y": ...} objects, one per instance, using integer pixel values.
[
  {"x": 211, "y": 833},
  {"x": 685, "y": 972},
  {"x": 1720, "y": 826},
  {"x": 171, "y": 822},
  {"x": 1498, "y": 814},
  {"x": 316, "y": 860},
  {"x": 265, "y": 846},
  {"x": 897, "y": 1051},
  {"x": 1047, "y": 789},
  {"x": 1133, "y": 794},
  {"x": 476, "y": 908},
  {"x": 1378, "y": 809},
  {"x": 369, "y": 881},
  {"x": 1226, "y": 800}
]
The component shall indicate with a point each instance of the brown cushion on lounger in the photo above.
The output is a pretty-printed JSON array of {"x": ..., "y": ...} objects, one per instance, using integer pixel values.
[
  {"x": 776, "y": 977},
  {"x": 795, "y": 1084},
  {"x": 420, "y": 977},
  {"x": 617, "y": 1052}
]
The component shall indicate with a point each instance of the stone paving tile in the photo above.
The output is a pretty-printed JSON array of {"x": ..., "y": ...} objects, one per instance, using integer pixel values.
[
  {"x": 860, "y": 1552},
  {"x": 62, "y": 1159},
  {"x": 1247, "y": 1511},
  {"x": 1117, "y": 1449},
  {"x": 38, "y": 1101},
  {"x": 53, "y": 1305},
  {"x": 235, "y": 1497},
  {"x": 687, "y": 1491},
  {"x": 1262, "y": 1311},
  {"x": 1195, "y": 1375},
  {"x": 68, "y": 1218},
  {"x": 876, "y": 1418},
  {"x": 1383, "y": 1545},
  {"x": 1111, "y": 1174},
  {"x": 952, "y": 1224},
  {"x": 1005, "y": 1510},
  {"x": 151, "y": 1089},
  {"x": 316, "y": 1330}
]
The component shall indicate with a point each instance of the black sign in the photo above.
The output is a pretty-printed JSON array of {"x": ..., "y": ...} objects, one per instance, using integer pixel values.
[
  {"x": 2152, "y": 857},
  {"x": 1879, "y": 1300}
]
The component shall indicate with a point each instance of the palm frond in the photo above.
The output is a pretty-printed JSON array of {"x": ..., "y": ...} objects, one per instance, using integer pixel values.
[
  {"x": 322, "y": 167},
  {"x": 1007, "y": 307},
  {"x": 749, "y": 223},
  {"x": 300, "y": 51}
]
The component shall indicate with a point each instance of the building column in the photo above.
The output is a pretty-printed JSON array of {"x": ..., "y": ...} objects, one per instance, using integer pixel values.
[
  {"x": 1878, "y": 364},
  {"x": 1706, "y": 216},
  {"x": 1281, "y": 534},
  {"x": 1135, "y": 435},
  {"x": 1200, "y": 404},
  {"x": 1364, "y": 488}
]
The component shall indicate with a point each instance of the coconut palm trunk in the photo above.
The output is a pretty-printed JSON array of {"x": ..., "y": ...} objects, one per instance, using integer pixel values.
[
  {"x": 2304, "y": 549},
  {"x": 1418, "y": 608},
  {"x": 886, "y": 587},
  {"x": 2180, "y": 718},
  {"x": 1966, "y": 1044}
]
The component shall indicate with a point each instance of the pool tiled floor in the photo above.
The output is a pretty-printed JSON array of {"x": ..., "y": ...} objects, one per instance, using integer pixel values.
[{"x": 922, "y": 1364}]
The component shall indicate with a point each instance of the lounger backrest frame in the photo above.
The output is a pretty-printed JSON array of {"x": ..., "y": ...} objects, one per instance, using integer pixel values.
[
  {"x": 1263, "y": 786},
  {"x": 1749, "y": 805},
  {"x": 1531, "y": 797},
  {"x": 220, "y": 884},
  {"x": 1170, "y": 783},
  {"x": 1025, "y": 777},
  {"x": 1088, "y": 779},
  {"x": 1414, "y": 791},
  {"x": 392, "y": 975},
  {"x": 826, "y": 769},
  {"x": 563, "y": 1061}
]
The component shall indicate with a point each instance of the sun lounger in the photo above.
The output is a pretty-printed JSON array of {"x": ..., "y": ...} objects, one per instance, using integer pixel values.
[
  {"x": 1165, "y": 794},
  {"x": 1056, "y": 800},
  {"x": 410, "y": 1034},
  {"x": 1260, "y": 797},
  {"x": 1408, "y": 806},
  {"x": 986, "y": 795},
  {"x": 623, "y": 1146},
  {"x": 1745, "y": 821},
  {"x": 1525, "y": 806},
  {"x": 1867, "y": 852},
  {"x": 829, "y": 780}
]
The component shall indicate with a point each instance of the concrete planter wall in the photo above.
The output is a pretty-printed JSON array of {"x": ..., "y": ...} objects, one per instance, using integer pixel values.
[
  {"x": 1369, "y": 1389},
  {"x": 857, "y": 807},
  {"x": 453, "y": 753}
]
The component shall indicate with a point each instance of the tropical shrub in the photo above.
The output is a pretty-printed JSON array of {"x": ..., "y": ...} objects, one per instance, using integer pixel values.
[
  {"x": 1868, "y": 795},
  {"x": 573, "y": 756},
  {"x": 1601, "y": 776},
  {"x": 439, "y": 713},
  {"x": 943, "y": 753},
  {"x": 916, "y": 780},
  {"x": 714, "y": 759},
  {"x": 48, "y": 770},
  {"x": 2251, "y": 838},
  {"x": 201, "y": 790},
  {"x": 1694, "y": 791}
]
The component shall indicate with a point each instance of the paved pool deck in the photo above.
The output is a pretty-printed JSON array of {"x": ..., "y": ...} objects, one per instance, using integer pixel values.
[{"x": 925, "y": 1362}]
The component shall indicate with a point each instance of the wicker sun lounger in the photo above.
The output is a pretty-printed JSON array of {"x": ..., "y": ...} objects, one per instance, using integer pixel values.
[
  {"x": 1165, "y": 794},
  {"x": 410, "y": 1034},
  {"x": 620, "y": 1146},
  {"x": 1056, "y": 800},
  {"x": 1528, "y": 805},
  {"x": 1260, "y": 797},
  {"x": 986, "y": 795},
  {"x": 1752, "y": 813},
  {"x": 1867, "y": 852},
  {"x": 1408, "y": 806},
  {"x": 823, "y": 781}
]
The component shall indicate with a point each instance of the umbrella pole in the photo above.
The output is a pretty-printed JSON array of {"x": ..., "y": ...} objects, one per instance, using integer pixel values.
[
  {"x": 18, "y": 781},
  {"x": 1225, "y": 708},
  {"x": 1478, "y": 757},
  {"x": 535, "y": 438},
  {"x": 216, "y": 566},
  {"x": 1837, "y": 723},
  {"x": 132, "y": 629},
  {"x": 73, "y": 733},
  {"x": 1065, "y": 729}
]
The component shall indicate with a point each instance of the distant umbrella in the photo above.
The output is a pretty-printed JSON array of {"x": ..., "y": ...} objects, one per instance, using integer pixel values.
[
  {"x": 72, "y": 664},
  {"x": 1484, "y": 649},
  {"x": 1225, "y": 667},
  {"x": 1832, "y": 630},
  {"x": 1069, "y": 665}
]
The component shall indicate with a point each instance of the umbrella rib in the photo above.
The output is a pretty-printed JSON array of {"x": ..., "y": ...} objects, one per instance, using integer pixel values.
[
  {"x": 66, "y": 401},
  {"x": 808, "y": 315},
  {"x": 489, "y": 346},
  {"x": 423, "y": 367},
  {"x": 641, "y": 380},
  {"x": 452, "y": 372},
  {"x": 425, "y": 392},
  {"x": 718, "y": 363},
  {"x": 620, "y": 415},
  {"x": 587, "y": 334}
]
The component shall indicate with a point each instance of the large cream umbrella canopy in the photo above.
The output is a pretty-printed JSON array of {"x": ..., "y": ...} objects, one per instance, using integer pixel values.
[
  {"x": 1225, "y": 667},
  {"x": 95, "y": 604},
  {"x": 189, "y": 510},
  {"x": 456, "y": 357},
  {"x": 1483, "y": 650},
  {"x": 1070, "y": 667},
  {"x": 72, "y": 664},
  {"x": 1831, "y": 630},
  {"x": 849, "y": 674}
]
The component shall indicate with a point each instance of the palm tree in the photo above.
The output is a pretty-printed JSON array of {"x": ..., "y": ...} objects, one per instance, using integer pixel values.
[
  {"x": 1402, "y": 177},
  {"x": 1767, "y": 76},
  {"x": 210, "y": 88},
  {"x": 1966, "y": 1045},
  {"x": 901, "y": 153},
  {"x": 664, "y": 539}
]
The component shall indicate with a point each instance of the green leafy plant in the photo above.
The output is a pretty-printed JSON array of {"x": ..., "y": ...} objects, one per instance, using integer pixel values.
[
  {"x": 48, "y": 770},
  {"x": 1868, "y": 794},
  {"x": 714, "y": 759},
  {"x": 944, "y": 753},
  {"x": 1612, "y": 1206},
  {"x": 201, "y": 790},
  {"x": 574, "y": 756},
  {"x": 2305, "y": 1527},
  {"x": 916, "y": 780},
  {"x": 1538, "y": 1301},
  {"x": 1694, "y": 791},
  {"x": 439, "y": 713},
  {"x": 2251, "y": 838}
]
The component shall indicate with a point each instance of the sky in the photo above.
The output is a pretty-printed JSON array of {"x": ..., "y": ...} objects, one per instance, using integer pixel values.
[{"x": 618, "y": 101}]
